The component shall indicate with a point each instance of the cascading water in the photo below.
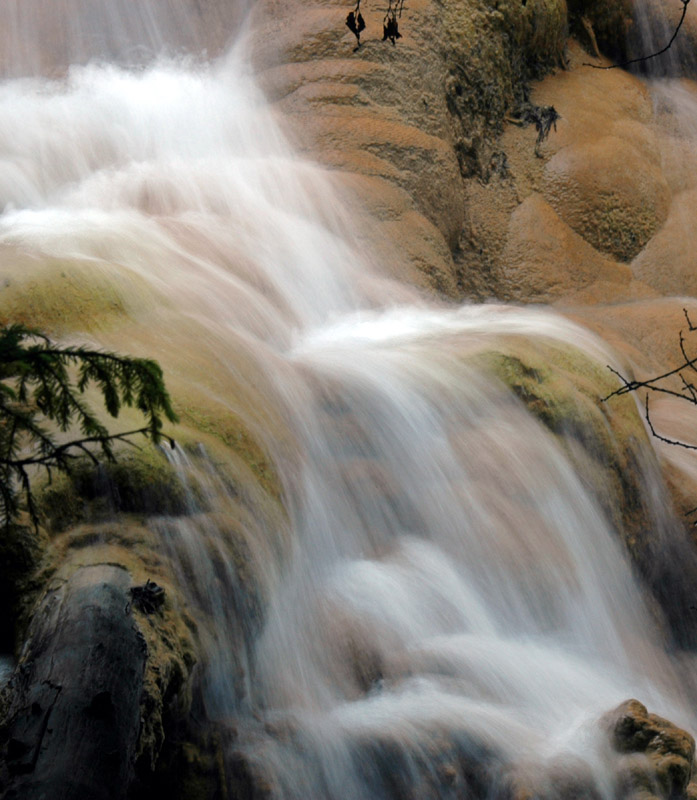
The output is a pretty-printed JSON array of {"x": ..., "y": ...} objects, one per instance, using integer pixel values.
[
  {"x": 455, "y": 611},
  {"x": 39, "y": 37}
]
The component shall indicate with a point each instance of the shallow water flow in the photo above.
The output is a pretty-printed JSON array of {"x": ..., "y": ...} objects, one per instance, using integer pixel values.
[{"x": 455, "y": 609}]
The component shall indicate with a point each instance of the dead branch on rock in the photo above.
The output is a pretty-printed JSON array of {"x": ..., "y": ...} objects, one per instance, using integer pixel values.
[
  {"x": 390, "y": 26},
  {"x": 355, "y": 23},
  {"x": 544, "y": 118},
  {"x": 687, "y": 392},
  {"x": 588, "y": 27},
  {"x": 685, "y": 4}
]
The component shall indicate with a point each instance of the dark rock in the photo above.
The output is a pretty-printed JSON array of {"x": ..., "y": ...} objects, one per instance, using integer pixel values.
[
  {"x": 148, "y": 597},
  {"x": 668, "y": 752},
  {"x": 73, "y": 723}
]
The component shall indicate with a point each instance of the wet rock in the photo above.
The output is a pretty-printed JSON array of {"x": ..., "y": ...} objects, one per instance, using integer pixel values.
[
  {"x": 137, "y": 482},
  {"x": 408, "y": 123},
  {"x": 74, "y": 719},
  {"x": 668, "y": 263},
  {"x": 148, "y": 597},
  {"x": 666, "y": 752}
]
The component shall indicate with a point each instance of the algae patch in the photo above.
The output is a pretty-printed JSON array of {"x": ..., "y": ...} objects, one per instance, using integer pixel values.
[{"x": 141, "y": 481}]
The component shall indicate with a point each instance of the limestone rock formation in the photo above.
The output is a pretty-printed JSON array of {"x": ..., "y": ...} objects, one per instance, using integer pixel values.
[
  {"x": 659, "y": 756},
  {"x": 455, "y": 198}
]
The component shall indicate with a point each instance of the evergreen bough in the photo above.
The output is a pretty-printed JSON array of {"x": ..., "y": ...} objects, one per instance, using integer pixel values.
[{"x": 42, "y": 383}]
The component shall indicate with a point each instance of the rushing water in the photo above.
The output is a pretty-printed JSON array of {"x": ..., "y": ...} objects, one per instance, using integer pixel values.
[{"x": 455, "y": 602}]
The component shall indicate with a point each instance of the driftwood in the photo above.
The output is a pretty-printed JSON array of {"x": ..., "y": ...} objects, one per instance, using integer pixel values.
[{"x": 72, "y": 726}]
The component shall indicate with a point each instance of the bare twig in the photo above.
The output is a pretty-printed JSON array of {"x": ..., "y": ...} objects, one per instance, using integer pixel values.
[
  {"x": 688, "y": 393},
  {"x": 661, "y": 438},
  {"x": 690, "y": 389},
  {"x": 689, "y": 322},
  {"x": 631, "y": 386}
]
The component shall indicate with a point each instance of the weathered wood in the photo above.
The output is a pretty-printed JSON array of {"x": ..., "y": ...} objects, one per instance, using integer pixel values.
[{"x": 72, "y": 726}]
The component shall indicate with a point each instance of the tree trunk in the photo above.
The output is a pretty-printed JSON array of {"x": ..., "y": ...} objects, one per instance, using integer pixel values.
[{"x": 72, "y": 727}]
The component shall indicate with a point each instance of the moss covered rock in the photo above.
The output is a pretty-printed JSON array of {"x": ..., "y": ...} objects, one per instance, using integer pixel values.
[
  {"x": 608, "y": 445},
  {"x": 491, "y": 52},
  {"x": 610, "y": 193},
  {"x": 139, "y": 481},
  {"x": 659, "y": 756}
]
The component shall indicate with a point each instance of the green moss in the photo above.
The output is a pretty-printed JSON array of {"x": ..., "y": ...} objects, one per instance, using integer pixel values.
[
  {"x": 140, "y": 481},
  {"x": 67, "y": 295},
  {"x": 233, "y": 433},
  {"x": 606, "y": 441},
  {"x": 564, "y": 389},
  {"x": 493, "y": 50}
]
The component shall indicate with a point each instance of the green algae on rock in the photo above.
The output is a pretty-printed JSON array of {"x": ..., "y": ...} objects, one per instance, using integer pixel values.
[
  {"x": 138, "y": 481},
  {"x": 491, "y": 54}
]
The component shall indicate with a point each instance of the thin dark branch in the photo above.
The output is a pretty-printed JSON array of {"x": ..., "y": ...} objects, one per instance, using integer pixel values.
[
  {"x": 685, "y": 4},
  {"x": 689, "y": 322},
  {"x": 664, "y": 438},
  {"x": 627, "y": 387},
  {"x": 689, "y": 362},
  {"x": 62, "y": 450},
  {"x": 630, "y": 386},
  {"x": 662, "y": 390},
  {"x": 31, "y": 505},
  {"x": 690, "y": 389}
]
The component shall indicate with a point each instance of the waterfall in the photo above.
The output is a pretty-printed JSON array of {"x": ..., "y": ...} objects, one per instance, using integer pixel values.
[
  {"x": 455, "y": 600},
  {"x": 654, "y": 27},
  {"x": 48, "y": 36}
]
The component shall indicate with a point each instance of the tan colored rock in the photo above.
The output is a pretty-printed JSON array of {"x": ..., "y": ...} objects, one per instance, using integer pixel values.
[
  {"x": 556, "y": 226},
  {"x": 645, "y": 333},
  {"x": 668, "y": 263},
  {"x": 544, "y": 259},
  {"x": 679, "y": 161},
  {"x": 593, "y": 102},
  {"x": 418, "y": 116},
  {"x": 609, "y": 193}
]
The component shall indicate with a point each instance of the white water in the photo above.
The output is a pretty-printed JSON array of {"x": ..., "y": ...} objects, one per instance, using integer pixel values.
[
  {"x": 7, "y": 664},
  {"x": 454, "y": 594}
]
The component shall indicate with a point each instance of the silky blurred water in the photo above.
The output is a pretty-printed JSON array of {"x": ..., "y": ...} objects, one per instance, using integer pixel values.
[{"x": 454, "y": 598}]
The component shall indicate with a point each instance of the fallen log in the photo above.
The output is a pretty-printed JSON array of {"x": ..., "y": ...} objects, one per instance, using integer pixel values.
[{"x": 73, "y": 721}]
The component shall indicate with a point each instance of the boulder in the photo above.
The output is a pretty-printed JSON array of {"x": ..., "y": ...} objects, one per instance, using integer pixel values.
[{"x": 658, "y": 756}]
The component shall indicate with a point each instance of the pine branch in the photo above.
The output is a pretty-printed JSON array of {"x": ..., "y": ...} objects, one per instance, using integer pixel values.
[{"x": 36, "y": 388}]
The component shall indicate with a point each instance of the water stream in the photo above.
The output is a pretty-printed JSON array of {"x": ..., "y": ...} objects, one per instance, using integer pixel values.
[{"x": 456, "y": 609}]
